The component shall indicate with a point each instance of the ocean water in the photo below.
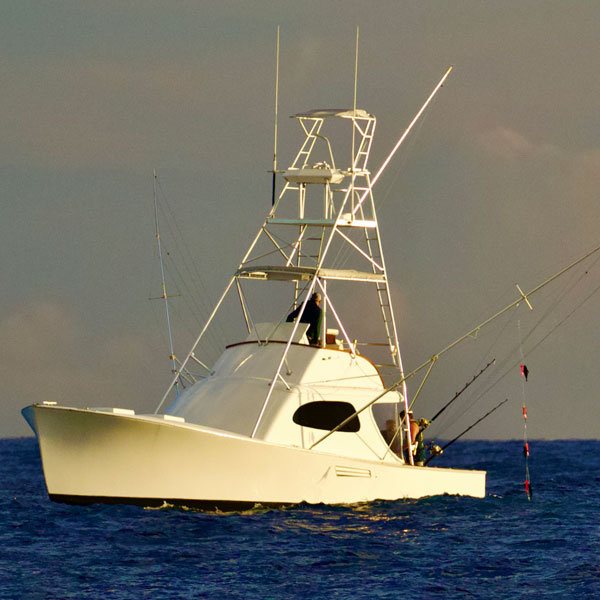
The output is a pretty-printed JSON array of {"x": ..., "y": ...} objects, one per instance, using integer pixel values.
[{"x": 503, "y": 546}]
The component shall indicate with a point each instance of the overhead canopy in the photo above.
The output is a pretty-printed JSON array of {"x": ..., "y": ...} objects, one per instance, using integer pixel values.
[
  {"x": 293, "y": 273},
  {"x": 314, "y": 175},
  {"x": 347, "y": 220},
  {"x": 345, "y": 113}
]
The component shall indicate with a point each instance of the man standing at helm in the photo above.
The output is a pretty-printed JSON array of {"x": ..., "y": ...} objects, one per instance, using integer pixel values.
[{"x": 313, "y": 314}]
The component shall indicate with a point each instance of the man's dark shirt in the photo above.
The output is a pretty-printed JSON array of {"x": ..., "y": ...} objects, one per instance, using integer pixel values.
[{"x": 313, "y": 315}]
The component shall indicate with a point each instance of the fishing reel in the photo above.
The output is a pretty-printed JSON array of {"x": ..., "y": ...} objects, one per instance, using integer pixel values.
[{"x": 434, "y": 449}]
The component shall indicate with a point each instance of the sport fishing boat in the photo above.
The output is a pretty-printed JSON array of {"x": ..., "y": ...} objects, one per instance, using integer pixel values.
[{"x": 286, "y": 414}]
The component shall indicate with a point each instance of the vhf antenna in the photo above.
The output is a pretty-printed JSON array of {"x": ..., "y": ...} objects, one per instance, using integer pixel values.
[
  {"x": 164, "y": 296},
  {"x": 354, "y": 103},
  {"x": 276, "y": 114}
]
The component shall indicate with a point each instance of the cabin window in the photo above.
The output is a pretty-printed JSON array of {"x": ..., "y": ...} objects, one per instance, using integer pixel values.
[{"x": 326, "y": 415}]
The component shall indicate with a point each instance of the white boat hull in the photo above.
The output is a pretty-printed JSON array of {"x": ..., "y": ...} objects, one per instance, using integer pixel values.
[{"x": 91, "y": 456}]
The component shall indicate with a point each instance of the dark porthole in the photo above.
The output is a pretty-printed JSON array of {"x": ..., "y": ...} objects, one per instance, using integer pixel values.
[{"x": 326, "y": 415}]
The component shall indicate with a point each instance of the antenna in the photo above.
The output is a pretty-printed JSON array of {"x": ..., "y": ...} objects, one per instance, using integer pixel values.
[
  {"x": 164, "y": 296},
  {"x": 276, "y": 114},
  {"x": 354, "y": 102}
]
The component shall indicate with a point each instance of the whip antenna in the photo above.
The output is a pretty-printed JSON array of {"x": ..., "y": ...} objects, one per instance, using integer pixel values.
[
  {"x": 276, "y": 115},
  {"x": 164, "y": 296},
  {"x": 354, "y": 102}
]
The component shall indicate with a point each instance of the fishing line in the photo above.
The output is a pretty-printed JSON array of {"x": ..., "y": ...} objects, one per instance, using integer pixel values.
[
  {"x": 343, "y": 254},
  {"x": 195, "y": 297},
  {"x": 513, "y": 364},
  {"x": 186, "y": 254},
  {"x": 524, "y": 375},
  {"x": 403, "y": 159},
  {"x": 554, "y": 305},
  {"x": 548, "y": 310},
  {"x": 595, "y": 291},
  {"x": 569, "y": 287},
  {"x": 186, "y": 257},
  {"x": 190, "y": 297},
  {"x": 495, "y": 342}
]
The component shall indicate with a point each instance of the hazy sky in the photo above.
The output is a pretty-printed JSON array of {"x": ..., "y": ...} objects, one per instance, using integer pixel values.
[{"x": 498, "y": 184}]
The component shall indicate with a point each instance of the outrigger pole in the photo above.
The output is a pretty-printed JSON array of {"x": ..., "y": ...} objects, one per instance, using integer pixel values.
[
  {"x": 402, "y": 138},
  {"x": 522, "y": 298}
]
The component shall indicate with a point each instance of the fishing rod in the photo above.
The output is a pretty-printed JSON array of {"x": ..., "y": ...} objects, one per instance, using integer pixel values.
[
  {"x": 424, "y": 423},
  {"x": 465, "y": 431},
  {"x": 439, "y": 412}
]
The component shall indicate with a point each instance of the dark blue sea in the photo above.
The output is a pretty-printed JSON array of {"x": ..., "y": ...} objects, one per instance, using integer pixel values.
[{"x": 503, "y": 546}]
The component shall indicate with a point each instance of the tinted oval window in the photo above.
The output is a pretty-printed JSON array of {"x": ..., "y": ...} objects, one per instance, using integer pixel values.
[{"x": 326, "y": 415}]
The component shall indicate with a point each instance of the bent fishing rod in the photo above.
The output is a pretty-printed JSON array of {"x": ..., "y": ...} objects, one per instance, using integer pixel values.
[
  {"x": 487, "y": 414},
  {"x": 425, "y": 423},
  {"x": 523, "y": 297},
  {"x": 463, "y": 389}
]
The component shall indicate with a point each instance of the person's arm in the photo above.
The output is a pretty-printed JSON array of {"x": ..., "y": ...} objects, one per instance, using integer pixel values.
[{"x": 293, "y": 315}]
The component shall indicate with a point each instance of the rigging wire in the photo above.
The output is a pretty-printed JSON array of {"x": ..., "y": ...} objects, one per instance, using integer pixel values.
[
  {"x": 343, "y": 253},
  {"x": 403, "y": 159},
  {"x": 186, "y": 254},
  {"x": 190, "y": 279},
  {"x": 564, "y": 319},
  {"x": 190, "y": 296},
  {"x": 463, "y": 389}
]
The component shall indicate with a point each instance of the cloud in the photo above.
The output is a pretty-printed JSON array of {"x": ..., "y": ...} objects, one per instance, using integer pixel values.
[
  {"x": 563, "y": 178},
  {"x": 509, "y": 144}
]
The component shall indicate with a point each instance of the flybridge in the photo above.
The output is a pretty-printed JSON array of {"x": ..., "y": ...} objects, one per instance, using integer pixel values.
[{"x": 321, "y": 235}]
